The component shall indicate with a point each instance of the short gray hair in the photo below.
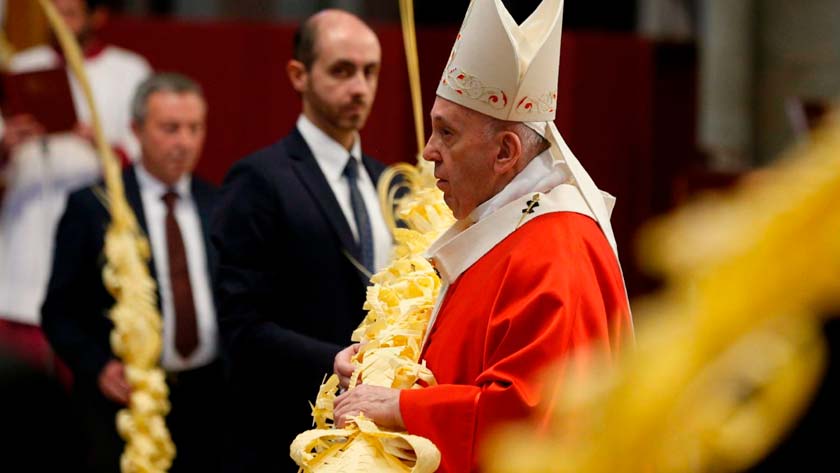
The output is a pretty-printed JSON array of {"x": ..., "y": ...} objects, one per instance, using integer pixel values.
[
  {"x": 161, "y": 82},
  {"x": 532, "y": 143}
]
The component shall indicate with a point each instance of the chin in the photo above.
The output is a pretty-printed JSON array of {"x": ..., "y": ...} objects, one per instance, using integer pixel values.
[
  {"x": 353, "y": 124},
  {"x": 454, "y": 208}
]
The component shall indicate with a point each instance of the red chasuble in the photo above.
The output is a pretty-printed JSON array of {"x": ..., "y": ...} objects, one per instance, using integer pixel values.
[{"x": 546, "y": 290}]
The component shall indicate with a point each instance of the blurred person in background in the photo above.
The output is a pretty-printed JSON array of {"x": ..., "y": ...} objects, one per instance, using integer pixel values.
[
  {"x": 40, "y": 170},
  {"x": 173, "y": 209},
  {"x": 299, "y": 230}
]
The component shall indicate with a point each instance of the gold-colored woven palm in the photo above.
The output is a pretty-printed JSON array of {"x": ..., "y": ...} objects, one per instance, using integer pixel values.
[
  {"x": 730, "y": 353},
  {"x": 399, "y": 304},
  {"x": 136, "y": 337}
]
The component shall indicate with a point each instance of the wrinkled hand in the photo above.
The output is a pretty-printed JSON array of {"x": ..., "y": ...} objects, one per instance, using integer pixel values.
[
  {"x": 113, "y": 384},
  {"x": 18, "y": 129},
  {"x": 343, "y": 367},
  {"x": 382, "y": 405}
]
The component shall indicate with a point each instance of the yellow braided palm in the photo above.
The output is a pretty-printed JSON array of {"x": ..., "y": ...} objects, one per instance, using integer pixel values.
[
  {"x": 399, "y": 304},
  {"x": 136, "y": 335},
  {"x": 730, "y": 353}
]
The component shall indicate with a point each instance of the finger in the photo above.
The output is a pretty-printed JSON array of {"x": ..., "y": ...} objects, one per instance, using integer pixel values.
[
  {"x": 106, "y": 389},
  {"x": 120, "y": 389},
  {"x": 343, "y": 381},
  {"x": 339, "y": 400},
  {"x": 122, "y": 396},
  {"x": 124, "y": 389},
  {"x": 338, "y": 415},
  {"x": 122, "y": 383},
  {"x": 112, "y": 392},
  {"x": 125, "y": 395},
  {"x": 342, "y": 416}
]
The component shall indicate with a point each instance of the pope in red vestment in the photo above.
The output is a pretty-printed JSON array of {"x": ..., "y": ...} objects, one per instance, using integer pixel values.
[
  {"x": 548, "y": 289},
  {"x": 530, "y": 271},
  {"x": 530, "y": 279}
]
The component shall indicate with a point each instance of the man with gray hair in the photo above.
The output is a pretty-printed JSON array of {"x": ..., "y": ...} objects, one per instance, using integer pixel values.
[{"x": 173, "y": 210}]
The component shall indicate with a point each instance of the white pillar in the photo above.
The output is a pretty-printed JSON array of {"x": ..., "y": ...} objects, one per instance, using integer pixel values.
[
  {"x": 799, "y": 57},
  {"x": 727, "y": 89},
  {"x": 665, "y": 19}
]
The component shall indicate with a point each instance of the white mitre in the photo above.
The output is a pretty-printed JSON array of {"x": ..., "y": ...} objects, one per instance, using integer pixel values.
[{"x": 510, "y": 72}]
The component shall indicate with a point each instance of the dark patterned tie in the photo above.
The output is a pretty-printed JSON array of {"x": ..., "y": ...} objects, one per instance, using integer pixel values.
[
  {"x": 351, "y": 172},
  {"x": 186, "y": 332}
]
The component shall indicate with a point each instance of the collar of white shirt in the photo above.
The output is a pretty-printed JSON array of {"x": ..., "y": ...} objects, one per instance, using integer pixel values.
[
  {"x": 149, "y": 183},
  {"x": 330, "y": 155}
]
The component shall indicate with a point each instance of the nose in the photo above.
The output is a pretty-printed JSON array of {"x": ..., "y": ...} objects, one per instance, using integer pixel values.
[
  {"x": 186, "y": 137},
  {"x": 429, "y": 152},
  {"x": 359, "y": 85}
]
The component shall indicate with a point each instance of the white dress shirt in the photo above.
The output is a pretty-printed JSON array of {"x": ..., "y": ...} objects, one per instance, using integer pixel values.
[
  {"x": 189, "y": 222},
  {"x": 332, "y": 159}
]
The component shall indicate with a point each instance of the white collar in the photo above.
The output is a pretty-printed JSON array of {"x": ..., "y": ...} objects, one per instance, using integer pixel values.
[
  {"x": 152, "y": 184},
  {"x": 540, "y": 175},
  {"x": 330, "y": 155},
  {"x": 464, "y": 243}
]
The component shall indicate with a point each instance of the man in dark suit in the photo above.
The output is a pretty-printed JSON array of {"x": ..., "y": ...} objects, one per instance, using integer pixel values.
[
  {"x": 299, "y": 230},
  {"x": 173, "y": 209}
]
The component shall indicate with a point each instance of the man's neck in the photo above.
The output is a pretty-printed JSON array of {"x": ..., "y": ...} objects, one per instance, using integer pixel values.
[{"x": 343, "y": 137}]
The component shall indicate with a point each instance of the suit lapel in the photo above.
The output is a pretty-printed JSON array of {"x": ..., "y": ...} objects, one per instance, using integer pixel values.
[
  {"x": 132, "y": 195},
  {"x": 313, "y": 178},
  {"x": 204, "y": 202}
]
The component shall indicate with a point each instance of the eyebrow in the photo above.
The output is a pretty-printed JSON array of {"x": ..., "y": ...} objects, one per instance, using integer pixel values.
[
  {"x": 350, "y": 62},
  {"x": 441, "y": 121}
]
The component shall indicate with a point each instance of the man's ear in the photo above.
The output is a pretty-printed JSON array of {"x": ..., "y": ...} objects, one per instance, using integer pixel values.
[
  {"x": 510, "y": 152},
  {"x": 136, "y": 127},
  {"x": 297, "y": 75}
]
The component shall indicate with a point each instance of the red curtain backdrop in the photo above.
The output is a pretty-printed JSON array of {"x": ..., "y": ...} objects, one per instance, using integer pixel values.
[{"x": 605, "y": 98}]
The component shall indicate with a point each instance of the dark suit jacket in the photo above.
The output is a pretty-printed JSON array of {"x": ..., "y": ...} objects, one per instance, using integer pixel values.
[
  {"x": 75, "y": 311},
  {"x": 75, "y": 321},
  {"x": 289, "y": 298}
]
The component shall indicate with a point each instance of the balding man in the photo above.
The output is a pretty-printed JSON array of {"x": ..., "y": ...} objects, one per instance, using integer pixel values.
[{"x": 299, "y": 231}]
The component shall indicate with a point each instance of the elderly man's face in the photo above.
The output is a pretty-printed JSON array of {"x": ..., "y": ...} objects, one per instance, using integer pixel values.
[
  {"x": 463, "y": 156},
  {"x": 172, "y": 134}
]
